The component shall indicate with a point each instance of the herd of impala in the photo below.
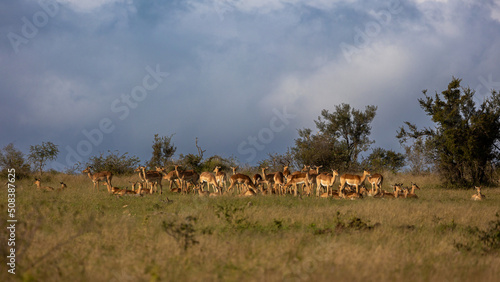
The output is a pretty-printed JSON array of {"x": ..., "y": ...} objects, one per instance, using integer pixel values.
[
  {"x": 280, "y": 183},
  {"x": 351, "y": 185}
]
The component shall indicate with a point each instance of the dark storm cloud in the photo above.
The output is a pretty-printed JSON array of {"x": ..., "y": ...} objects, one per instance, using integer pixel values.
[{"x": 231, "y": 66}]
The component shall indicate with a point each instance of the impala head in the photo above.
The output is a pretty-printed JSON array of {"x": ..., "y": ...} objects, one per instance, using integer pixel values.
[
  {"x": 285, "y": 168},
  {"x": 478, "y": 188},
  {"x": 396, "y": 186},
  {"x": 317, "y": 168},
  {"x": 335, "y": 173},
  {"x": 87, "y": 170},
  {"x": 217, "y": 169},
  {"x": 413, "y": 185}
]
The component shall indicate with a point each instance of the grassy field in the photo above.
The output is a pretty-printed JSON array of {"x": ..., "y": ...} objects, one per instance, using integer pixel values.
[{"x": 77, "y": 235}]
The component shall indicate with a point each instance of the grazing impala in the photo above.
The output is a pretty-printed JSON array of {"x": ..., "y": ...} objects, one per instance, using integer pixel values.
[
  {"x": 99, "y": 176},
  {"x": 257, "y": 179},
  {"x": 220, "y": 176},
  {"x": 352, "y": 179},
  {"x": 478, "y": 196},
  {"x": 376, "y": 181},
  {"x": 208, "y": 178},
  {"x": 151, "y": 177},
  {"x": 185, "y": 176},
  {"x": 327, "y": 180},
  {"x": 286, "y": 172},
  {"x": 39, "y": 186},
  {"x": 240, "y": 178},
  {"x": 300, "y": 178},
  {"x": 171, "y": 177}
]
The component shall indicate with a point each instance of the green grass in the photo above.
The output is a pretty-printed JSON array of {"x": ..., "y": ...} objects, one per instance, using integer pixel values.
[{"x": 77, "y": 235}]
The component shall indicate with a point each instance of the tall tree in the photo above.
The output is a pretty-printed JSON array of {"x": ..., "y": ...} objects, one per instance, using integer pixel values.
[
  {"x": 41, "y": 154},
  {"x": 465, "y": 139},
  {"x": 342, "y": 135},
  {"x": 163, "y": 150}
]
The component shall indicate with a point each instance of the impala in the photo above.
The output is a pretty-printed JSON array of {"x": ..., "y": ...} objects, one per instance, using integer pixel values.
[
  {"x": 395, "y": 194},
  {"x": 353, "y": 179},
  {"x": 202, "y": 193},
  {"x": 478, "y": 196},
  {"x": 151, "y": 177},
  {"x": 121, "y": 192},
  {"x": 412, "y": 193},
  {"x": 286, "y": 172},
  {"x": 312, "y": 176},
  {"x": 248, "y": 193},
  {"x": 326, "y": 180},
  {"x": 257, "y": 179},
  {"x": 376, "y": 181},
  {"x": 300, "y": 178},
  {"x": 234, "y": 169},
  {"x": 187, "y": 175},
  {"x": 63, "y": 185},
  {"x": 268, "y": 179},
  {"x": 171, "y": 177},
  {"x": 208, "y": 178},
  {"x": 279, "y": 182},
  {"x": 220, "y": 176},
  {"x": 38, "y": 184},
  {"x": 99, "y": 176},
  {"x": 240, "y": 178}
]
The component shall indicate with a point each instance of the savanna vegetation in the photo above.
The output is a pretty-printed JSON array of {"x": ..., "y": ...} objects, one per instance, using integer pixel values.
[{"x": 78, "y": 233}]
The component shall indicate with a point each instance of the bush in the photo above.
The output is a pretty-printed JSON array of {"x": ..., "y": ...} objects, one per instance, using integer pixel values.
[
  {"x": 113, "y": 162},
  {"x": 11, "y": 158}
]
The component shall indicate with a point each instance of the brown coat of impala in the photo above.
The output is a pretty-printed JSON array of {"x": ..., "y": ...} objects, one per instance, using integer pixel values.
[
  {"x": 353, "y": 180},
  {"x": 99, "y": 176}
]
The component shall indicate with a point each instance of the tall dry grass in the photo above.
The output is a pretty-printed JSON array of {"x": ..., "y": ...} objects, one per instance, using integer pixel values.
[{"x": 80, "y": 235}]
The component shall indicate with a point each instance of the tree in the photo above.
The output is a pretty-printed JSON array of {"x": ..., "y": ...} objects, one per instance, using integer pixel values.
[
  {"x": 10, "y": 158},
  {"x": 163, "y": 150},
  {"x": 113, "y": 162},
  {"x": 341, "y": 137},
  {"x": 41, "y": 154},
  {"x": 465, "y": 139},
  {"x": 419, "y": 156},
  {"x": 381, "y": 159},
  {"x": 193, "y": 161}
]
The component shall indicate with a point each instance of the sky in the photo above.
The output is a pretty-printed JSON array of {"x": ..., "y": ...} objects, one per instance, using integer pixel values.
[{"x": 241, "y": 76}]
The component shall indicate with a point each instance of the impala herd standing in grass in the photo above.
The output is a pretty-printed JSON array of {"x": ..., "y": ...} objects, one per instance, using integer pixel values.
[{"x": 351, "y": 186}]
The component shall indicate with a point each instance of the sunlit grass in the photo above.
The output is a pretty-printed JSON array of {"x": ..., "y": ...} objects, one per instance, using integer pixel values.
[{"x": 78, "y": 234}]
